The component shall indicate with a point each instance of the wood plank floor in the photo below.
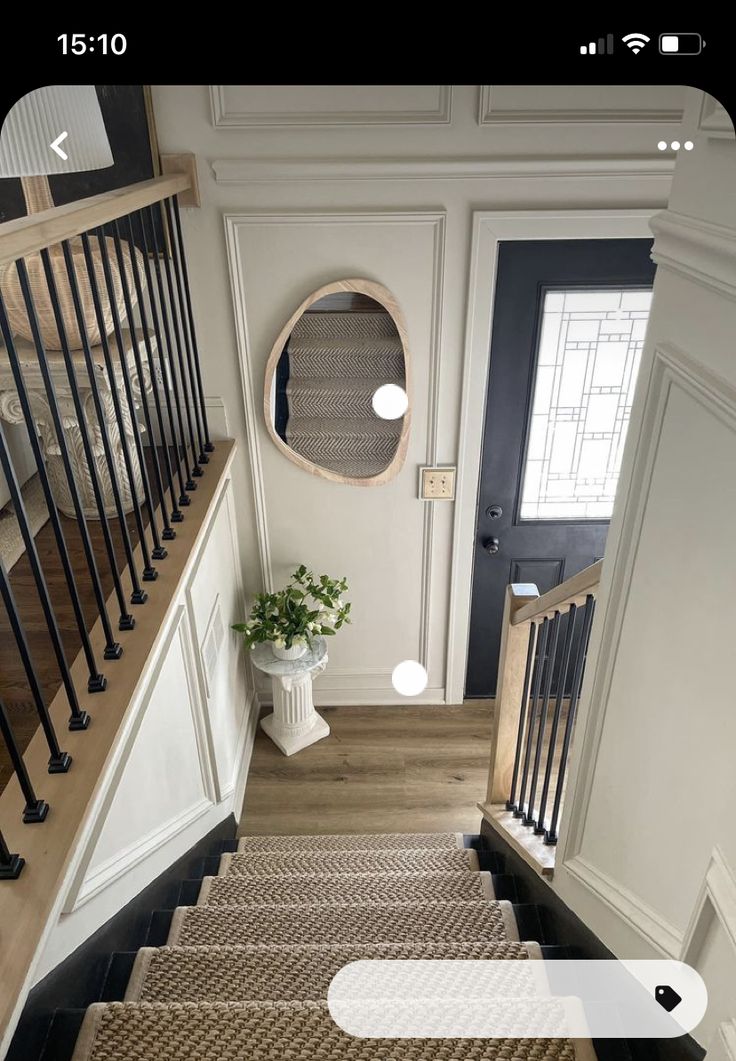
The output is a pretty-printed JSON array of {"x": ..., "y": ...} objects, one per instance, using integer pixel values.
[{"x": 382, "y": 769}]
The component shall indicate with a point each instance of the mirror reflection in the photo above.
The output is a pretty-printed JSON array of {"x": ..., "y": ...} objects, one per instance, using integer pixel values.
[{"x": 336, "y": 384}]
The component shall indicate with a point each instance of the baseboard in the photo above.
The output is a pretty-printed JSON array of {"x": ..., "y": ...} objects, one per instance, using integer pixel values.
[
  {"x": 560, "y": 925},
  {"x": 76, "y": 982}
]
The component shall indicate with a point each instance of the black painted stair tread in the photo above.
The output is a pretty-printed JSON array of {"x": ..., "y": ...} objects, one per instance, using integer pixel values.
[
  {"x": 263, "y": 1031},
  {"x": 438, "y": 922},
  {"x": 262, "y": 864},
  {"x": 345, "y": 888},
  {"x": 300, "y": 973}
]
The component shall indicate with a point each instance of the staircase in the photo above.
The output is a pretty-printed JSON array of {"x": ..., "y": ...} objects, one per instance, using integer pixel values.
[
  {"x": 241, "y": 968},
  {"x": 336, "y": 363}
]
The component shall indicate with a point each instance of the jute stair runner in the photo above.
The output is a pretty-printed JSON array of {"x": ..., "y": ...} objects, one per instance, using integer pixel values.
[
  {"x": 304, "y": 862},
  {"x": 453, "y": 922},
  {"x": 336, "y": 363},
  {"x": 345, "y": 888},
  {"x": 275, "y": 974},
  {"x": 266, "y": 1031},
  {"x": 245, "y": 973}
]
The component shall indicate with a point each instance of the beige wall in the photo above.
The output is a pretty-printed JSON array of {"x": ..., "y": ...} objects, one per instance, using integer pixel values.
[
  {"x": 648, "y": 854},
  {"x": 405, "y": 196}
]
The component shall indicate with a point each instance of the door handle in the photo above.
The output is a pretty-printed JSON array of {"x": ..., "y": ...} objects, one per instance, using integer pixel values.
[{"x": 491, "y": 545}]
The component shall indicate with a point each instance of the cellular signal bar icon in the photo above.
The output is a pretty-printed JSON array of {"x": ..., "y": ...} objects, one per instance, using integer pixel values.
[{"x": 603, "y": 46}]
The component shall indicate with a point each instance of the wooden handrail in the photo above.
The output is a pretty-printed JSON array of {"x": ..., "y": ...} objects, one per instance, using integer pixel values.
[
  {"x": 26, "y": 235},
  {"x": 572, "y": 591}
]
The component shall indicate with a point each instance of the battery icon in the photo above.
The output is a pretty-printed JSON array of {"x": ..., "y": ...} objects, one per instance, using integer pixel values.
[{"x": 681, "y": 43}]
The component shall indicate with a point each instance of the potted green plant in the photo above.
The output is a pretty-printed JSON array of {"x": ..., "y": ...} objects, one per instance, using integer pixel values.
[{"x": 308, "y": 606}]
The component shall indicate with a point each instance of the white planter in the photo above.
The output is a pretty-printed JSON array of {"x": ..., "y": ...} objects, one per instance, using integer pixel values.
[{"x": 295, "y": 652}]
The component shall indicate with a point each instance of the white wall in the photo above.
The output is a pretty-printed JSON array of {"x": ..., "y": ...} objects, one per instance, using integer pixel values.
[
  {"x": 383, "y": 185},
  {"x": 181, "y": 767},
  {"x": 648, "y": 853}
]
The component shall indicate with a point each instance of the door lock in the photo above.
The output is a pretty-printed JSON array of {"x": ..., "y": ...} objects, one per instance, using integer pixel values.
[
  {"x": 491, "y": 545},
  {"x": 494, "y": 511}
]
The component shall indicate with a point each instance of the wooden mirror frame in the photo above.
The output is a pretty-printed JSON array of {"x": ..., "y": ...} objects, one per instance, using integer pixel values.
[{"x": 385, "y": 299}]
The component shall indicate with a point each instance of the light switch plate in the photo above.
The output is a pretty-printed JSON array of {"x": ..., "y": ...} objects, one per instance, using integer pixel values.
[{"x": 438, "y": 483}]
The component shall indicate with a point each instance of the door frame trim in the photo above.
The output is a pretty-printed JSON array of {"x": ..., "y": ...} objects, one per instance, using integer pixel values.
[{"x": 490, "y": 227}]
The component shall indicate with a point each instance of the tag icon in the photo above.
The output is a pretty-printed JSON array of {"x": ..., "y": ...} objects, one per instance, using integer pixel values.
[{"x": 667, "y": 997}]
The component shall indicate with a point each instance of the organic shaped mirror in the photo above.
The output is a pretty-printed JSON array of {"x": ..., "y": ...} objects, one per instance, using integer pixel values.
[{"x": 336, "y": 394}]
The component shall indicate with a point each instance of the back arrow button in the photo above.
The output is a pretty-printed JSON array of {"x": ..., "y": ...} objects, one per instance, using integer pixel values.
[{"x": 55, "y": 146}]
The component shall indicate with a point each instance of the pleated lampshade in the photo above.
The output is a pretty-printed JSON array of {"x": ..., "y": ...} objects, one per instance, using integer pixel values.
[{"x": 32, "y": 125}]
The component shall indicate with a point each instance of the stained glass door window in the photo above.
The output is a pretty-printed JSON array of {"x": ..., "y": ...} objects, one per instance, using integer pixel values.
[{"x": 587, "y": 362}]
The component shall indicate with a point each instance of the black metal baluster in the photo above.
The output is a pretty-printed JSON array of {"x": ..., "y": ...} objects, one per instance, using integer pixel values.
[
  {"x": 208, "y": 447},
  {"x": 159, "y": 552},
  {"x": 138, "y": 596},
  {"x": 550, "y": 836},
  {"x": 176, "y": 269},
  {"x": 536, "y": 686},
  {"x": 176, "y": 515},
  {"x": 547, "y": 689},
  {"x": 97, "y": 682},
  {"x": 562, "y": 681},
  {"x": 189, "y": 484},
  {"x": 112, "y": 648},
  {"x": 79, "y": 719},
  {"x": 59, "y": 761},
  {"x": 149, "y": 574},
  {"x": 10, "y": 864},
  {"x": 187, "y": 385},
  {"x": 36, "y": 809},
  {"x": 510, "y": 802},
  {"x": 126, "y": 621}
]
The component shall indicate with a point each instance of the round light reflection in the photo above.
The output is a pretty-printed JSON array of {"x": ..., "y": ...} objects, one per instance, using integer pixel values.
[
  {"x": 662, "y": 145},
  {"x": 409, "y": 678},
  {"x": 390, "y": 401},
  {"x": 688, "y": 145}
]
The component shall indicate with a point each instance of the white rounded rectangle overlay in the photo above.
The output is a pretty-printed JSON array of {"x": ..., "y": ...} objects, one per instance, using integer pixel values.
[{"x": 524, "y": 999}]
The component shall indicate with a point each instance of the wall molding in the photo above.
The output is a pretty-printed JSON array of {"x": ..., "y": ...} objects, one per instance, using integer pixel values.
[
  {"x": 489, "y": 115},
  {"x": 698, "y": 250},
  {"x": 223, "y": 118},
  {"x": 717, "y": 898},
  {"x": 350, "y": 687},
  {"x": 247, "y": 171},
  {"x": 489, "y": 229},
  {"x": 628, "y": 906},
  {"x": 714, "y": 120},
  {"x": 724, "y": 1047},
  {"x": 122, "y": 861},
  {"x": 671, "y": 367}
]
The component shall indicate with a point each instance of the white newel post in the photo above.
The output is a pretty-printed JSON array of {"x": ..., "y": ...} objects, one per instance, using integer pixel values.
[{"x": 294, "y": 723}]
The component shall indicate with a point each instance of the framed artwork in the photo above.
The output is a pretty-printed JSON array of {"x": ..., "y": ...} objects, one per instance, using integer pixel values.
[{"x": 128, "y": 115}]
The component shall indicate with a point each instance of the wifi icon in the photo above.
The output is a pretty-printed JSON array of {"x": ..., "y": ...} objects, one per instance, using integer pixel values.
[{"x": 635, "y": 41}]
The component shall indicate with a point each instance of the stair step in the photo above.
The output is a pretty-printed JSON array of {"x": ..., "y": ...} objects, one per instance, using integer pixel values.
[
  {"x": 324, "y": 439},
  {"x": 336, "y": 398},
  {"x": 63, "y": 1034},
  {"x": 189, "y": 892},
  {"x": 118, "y": 975},
  {"x": 381, "y": 361},
  {"x": 344, "y": 326},
  {"x": 353, "y": 842},
  {"x": 530, "y": 925},
  {"x": 345, "y": 888},
  {"x": 261, "y": 1031},
  {"x": 281, "y": 864},
  {"x": 299, "y": 973},
  {"x": 159, "y": 927},
  {"x": 450, "y": 922}
]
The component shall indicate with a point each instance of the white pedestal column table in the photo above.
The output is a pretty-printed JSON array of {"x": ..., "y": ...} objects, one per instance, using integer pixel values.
[{"x": 294, "y": 723}]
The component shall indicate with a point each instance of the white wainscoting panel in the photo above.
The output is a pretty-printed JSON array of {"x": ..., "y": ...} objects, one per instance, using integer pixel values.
[
  {"x": 216, "y": 601},
  {"x": 151, "y": 802},
  {"x": 571, "y": 103},
  {"x": 380, "y": 538},
  {"x": 241, "y": 106}
]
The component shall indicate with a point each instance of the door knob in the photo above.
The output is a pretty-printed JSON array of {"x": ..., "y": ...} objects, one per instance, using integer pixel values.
[{"x": 491, "y": 545}]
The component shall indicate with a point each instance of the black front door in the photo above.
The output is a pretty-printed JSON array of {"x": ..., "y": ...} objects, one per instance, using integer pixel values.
[{"x": 568, "y": 327}]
